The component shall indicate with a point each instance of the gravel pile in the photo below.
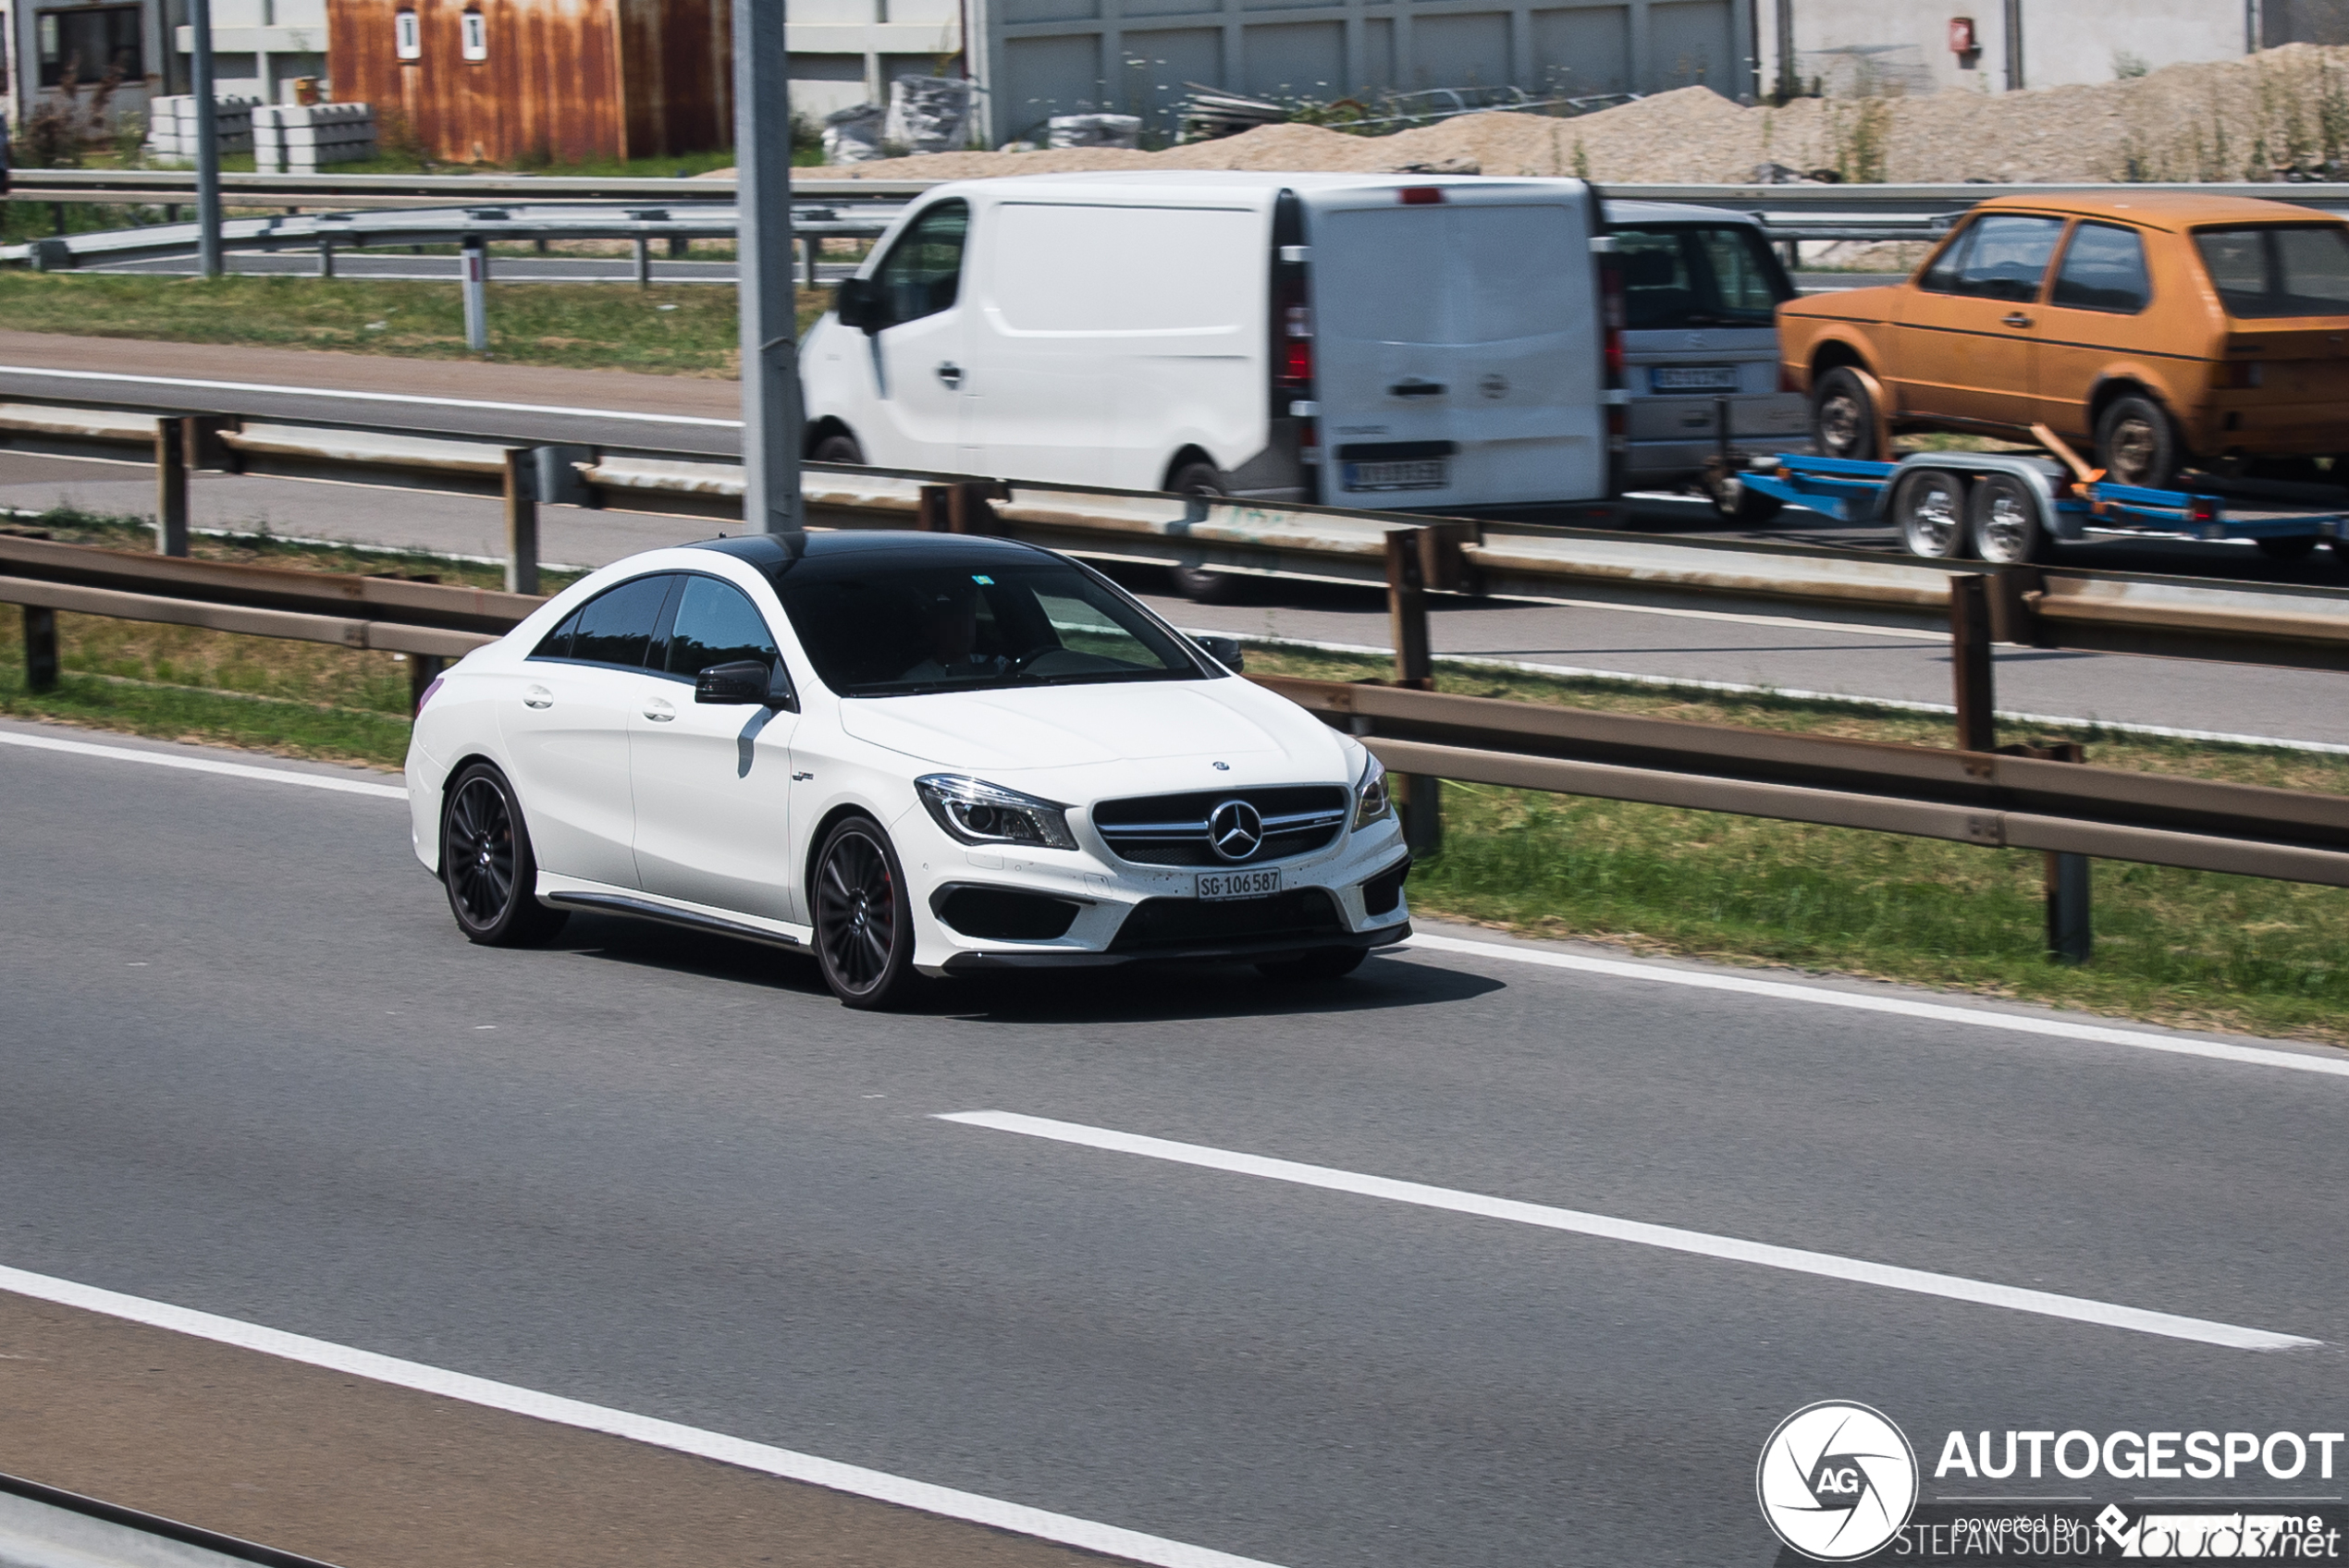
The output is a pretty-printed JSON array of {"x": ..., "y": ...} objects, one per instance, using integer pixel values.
[{"x": 2231, "y": 119}]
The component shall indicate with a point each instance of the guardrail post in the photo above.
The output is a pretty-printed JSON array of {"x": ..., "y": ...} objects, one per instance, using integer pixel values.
[
  {"x": 40, "y": 648},
  {"x": 2070, "y": 932},
  {"x": 1969, "y": 661},
  {"x": 970, "y": 508},
  {"x": 558, "y": 481},
  {"x": 205, "y": 448},
  {"x": 476, "y": 286},
  {"x": 326, "y": 257},
  {"x": 644, "y": 263},
  {"x": 521, "y": 520},
  {"x": 1421, "y": 794},
  {"x": 171, "y": 486},
  {"x": 423, "y": 670},
  {"x": 934, "y": 509},
  {"x": 815, "y": 247}
]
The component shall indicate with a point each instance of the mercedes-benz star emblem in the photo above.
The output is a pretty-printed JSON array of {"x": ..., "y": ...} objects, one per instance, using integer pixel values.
[{"x": 1234, "y": 829}]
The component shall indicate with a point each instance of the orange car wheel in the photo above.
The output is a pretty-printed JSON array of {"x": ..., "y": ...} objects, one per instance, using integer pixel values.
[
  {"x": 1844, "y": 417},
  {"x": 2136, "y": 443}
]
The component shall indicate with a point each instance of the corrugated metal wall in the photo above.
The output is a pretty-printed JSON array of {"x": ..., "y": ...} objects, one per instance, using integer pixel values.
[
  {"x": 1043, "y": 58},
  {"x": 564, "y": 80}
]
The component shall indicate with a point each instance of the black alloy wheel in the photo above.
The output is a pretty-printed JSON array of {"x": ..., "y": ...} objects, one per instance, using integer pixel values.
[
  {"x": 1322, "y": 964},
  {"x": 838, "y": 447},
  {"x": 2137, "y": 443},
  {"x": 486, "y": 864},
  {"x": 1197, "y": 584},
  {"x": 1844, "y": 417},
  {"x": 863, "y": 921}
]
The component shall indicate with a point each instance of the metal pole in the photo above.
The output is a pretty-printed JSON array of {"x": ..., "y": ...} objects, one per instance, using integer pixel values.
[
  {"x": 476, "y": 271},
  {"x": 1421, "y": 794},
  {"x": 40, "y": 648},
  {"x": 521, "y": 520},
  {"x": 1969, "y": 661},
  {"x": 771, "y": 417},
  {"x": 644, "y": 263},
  {"x": 171, "y": 486},
  {"x": 207, "y": 142},
  {"x": 326, "y": 258}
]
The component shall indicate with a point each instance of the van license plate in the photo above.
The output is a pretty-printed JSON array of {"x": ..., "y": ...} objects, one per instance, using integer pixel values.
[
  {"x": 1693, "y": 378},
  {"x": 1433, "y": 473},
  {"x": 1220, "y": 887}
]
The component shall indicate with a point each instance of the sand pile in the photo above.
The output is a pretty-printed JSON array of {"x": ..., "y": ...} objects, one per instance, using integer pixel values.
[{"x": 2230, "y": 119}]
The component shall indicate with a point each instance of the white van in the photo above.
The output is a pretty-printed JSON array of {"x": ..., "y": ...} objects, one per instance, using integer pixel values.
[{"x": 1364, "y": 342}]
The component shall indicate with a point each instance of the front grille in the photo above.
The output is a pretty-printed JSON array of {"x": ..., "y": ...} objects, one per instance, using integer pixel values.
[
  {"x": 1179, "y": 922},
  {"x": 1172, "y": 829}
]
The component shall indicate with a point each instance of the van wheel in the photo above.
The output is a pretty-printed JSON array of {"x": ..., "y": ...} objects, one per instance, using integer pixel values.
[
  {"x": 2137, "y": 445},
  {"x": 838, "y": 447},
  {"x": 1197, "y": 584},
  {"x": 2004, "y": 516},
  {"x": 1929, "y": 507},
  {"x": 1844, "y": 417},
  {"x": 2298, "y": 549}
]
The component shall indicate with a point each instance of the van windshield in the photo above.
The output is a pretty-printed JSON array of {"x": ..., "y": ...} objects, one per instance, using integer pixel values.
[
  {"x": 881, "y": 627},
  {"x": 2278, "y": 269},
  {"x": 1698, "y": 275}
]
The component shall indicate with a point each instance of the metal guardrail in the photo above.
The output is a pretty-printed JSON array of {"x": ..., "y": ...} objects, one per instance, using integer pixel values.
[
  {"x": 1978, "y": 798},
  {"x": 2276, "y": 624}
]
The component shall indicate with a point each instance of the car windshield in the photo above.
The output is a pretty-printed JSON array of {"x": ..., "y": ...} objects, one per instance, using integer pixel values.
[
  {"x": 876, "y": 626},
  {"x": 2280, "y": 269},
  {"x": 1696, "y": 275}
]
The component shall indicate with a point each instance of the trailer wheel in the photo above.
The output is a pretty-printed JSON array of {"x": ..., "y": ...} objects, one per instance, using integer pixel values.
[
  {"x": 2004, "y": 522},
  {"x": 2294, "y": 549},
  {"x": 1844, "y": 417},
  {"x": 1929, "y": 506}
]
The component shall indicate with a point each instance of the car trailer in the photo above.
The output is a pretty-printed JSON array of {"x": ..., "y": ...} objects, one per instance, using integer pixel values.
[{"x": 2005, "y": 507}]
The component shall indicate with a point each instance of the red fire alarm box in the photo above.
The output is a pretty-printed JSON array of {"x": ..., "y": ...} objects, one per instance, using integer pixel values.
[{"x": 1962, "y": 39}]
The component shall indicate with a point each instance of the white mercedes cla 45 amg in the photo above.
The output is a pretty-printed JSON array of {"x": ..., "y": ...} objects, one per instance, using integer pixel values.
[{"x": 914, "y": 754}]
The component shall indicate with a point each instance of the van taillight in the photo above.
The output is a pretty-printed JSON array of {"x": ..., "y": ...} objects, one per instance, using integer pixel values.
[
  {"x": 1611, "y": 320},
  {"x": 1296, "y": 347},
  {"x": 1420, "y": 195}
]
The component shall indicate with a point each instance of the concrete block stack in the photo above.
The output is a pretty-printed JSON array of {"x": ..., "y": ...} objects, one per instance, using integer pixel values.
[
  {"x": 171, "y": 126},
  {"x": 302, "y": 137}
]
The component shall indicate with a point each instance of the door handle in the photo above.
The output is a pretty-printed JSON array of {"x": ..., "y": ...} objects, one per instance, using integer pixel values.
[
  {"x": 949, "y": 373},
  {"x": 659, "y": 711},
  {"x": 2015, "y": 318},
  {"x": 537, "y": 697},
  {"x": 1417, "y": 389}
]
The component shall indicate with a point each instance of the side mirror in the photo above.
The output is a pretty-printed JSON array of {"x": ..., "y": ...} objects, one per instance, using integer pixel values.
[
  {"x": 858, "y": 302},
  {"x": 1226, "y": 651},
  {"x": 732, "y": 683}
]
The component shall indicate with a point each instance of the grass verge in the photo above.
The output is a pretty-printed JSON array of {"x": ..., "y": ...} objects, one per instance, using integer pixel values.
[{"x": 675, "y": 329}]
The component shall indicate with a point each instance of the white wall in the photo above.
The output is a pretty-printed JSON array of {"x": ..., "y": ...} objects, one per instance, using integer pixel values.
[
  {"x": 847, "y": 52},
  {"x": 1904, "y": 43}
]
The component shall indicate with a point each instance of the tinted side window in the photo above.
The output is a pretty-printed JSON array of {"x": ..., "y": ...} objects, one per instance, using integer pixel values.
[
  {"x": 2008, "y": 256},
  {"x": 2285, "y": 270},
  {"x": 556, "y": 644},
  {"x": 1697, "y": 276},
  {"x": 2104, "y": 269},
  {"x": 616, "y": 626},
  {"x": 717, "y": 624},
  {"x": 919, "y": 276}
]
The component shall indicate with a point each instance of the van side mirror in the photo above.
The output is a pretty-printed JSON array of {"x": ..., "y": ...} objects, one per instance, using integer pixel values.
[
  {"x": 745, "y": 682},
  {"x": 1225, "y": 651},
  {"x": 857, "y": 302}
]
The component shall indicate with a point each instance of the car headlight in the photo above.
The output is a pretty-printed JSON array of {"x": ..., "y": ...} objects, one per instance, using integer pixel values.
[
  {"x": 980, "y": 813},
  {"x": 1371, "y": 802}
]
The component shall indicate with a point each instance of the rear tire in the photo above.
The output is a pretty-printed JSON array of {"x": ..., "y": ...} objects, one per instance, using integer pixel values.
[
  {"x": 863, "y": 919},
  {"x": 2003, "y": 521},
  {"x": 2137, "y": 443},
  {"x": 1844, "y": 417},
  {"x": 1197, "y": 584},
  {"x": 2298, "y": 549},
  {"x": 486, "y": 864},
  {"x": 1928, "y": 506},
  {"x": 1736, "y": 501},
  {"x": 1326, "y": 963},
  {"x": 838, "y": 447}
]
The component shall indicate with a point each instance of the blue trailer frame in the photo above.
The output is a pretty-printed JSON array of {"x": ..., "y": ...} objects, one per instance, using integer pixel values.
[{"x": 1853, "y": 491}]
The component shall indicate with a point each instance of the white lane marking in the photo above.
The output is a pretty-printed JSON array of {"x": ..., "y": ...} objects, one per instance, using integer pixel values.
[
  {"x": 204, "y": 765},
  {"x": 1670, "y": 1237},
  {"x": 1793, "y": 693},
  {"x": 1109, "y": 1539},
  {"x": 371, "y": 397},
  {"x": 2337, "y": 1065}
]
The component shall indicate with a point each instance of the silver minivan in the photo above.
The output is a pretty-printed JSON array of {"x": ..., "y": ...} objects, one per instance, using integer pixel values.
[{"x": 1700, "y": 295}]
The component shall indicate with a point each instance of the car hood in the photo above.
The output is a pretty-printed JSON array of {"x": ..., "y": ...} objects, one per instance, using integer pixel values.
[{"x": 1055, "y": 727}]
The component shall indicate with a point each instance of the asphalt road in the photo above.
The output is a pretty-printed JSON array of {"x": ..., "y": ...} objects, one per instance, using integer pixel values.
[{"x": 251, "y": 1069}]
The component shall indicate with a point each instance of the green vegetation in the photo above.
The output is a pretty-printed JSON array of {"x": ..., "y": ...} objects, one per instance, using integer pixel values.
[
  {"x": 2172, "y": 946},
  {"x": 680, "y": 330}
]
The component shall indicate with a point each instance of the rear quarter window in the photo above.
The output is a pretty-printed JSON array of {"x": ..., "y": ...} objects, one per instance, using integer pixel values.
[
  {"x": 2278, "y": 269},
  {"x": 1698, "y": 276}
]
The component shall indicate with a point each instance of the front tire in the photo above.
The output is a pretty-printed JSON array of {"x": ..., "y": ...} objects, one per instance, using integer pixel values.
[
  {"x": 838, "y": 447},
  {"x": 1929, "y": 507},
  {"x": 2137, "y": 443},
  {"x": 2003, "y": 520},
  {"x": 863, "y": 919},
  {"x": 1844, "y": 417},
  {"x": 1324, "y": 963},
  {"x": 1197, "y": 584},
  {"x": 486, "y": 864}
]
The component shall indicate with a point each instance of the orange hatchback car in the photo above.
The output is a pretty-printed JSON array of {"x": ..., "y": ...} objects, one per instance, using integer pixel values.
[{"x": 2164, "y": 331}]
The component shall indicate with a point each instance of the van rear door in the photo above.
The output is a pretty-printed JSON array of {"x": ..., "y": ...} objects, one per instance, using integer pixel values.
[{"x": 1457, "y": 344}]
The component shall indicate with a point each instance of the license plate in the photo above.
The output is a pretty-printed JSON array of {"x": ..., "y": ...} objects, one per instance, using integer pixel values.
[
  {"x": 1218, "y": 886},
  {"x": 1693, "y": 378},
  {"x": 1433, "y": 473}
]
